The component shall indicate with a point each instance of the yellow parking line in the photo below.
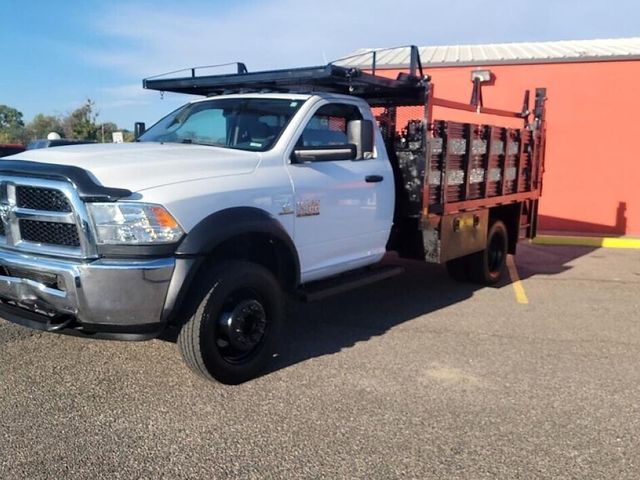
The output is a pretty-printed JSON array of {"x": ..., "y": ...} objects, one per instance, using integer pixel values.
[
  {"x": 605, "y": 242},
  {"x": 518, "y": 288}
]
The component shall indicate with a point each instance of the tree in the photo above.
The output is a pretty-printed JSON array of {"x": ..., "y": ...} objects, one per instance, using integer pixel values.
[
  {"x": 81, "y": 123},
  {"x": 43, "y": 125},
  {"x": 11, "y": 125}
]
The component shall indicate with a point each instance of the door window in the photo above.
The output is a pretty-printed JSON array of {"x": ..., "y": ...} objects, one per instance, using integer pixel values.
[{"x": 328, "y": 126}]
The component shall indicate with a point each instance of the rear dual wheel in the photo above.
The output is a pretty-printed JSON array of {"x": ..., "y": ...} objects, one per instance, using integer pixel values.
[{"x": 487, "y": 266}]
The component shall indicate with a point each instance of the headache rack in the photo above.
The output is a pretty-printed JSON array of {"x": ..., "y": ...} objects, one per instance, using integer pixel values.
[{"x": 443, "y": 169}]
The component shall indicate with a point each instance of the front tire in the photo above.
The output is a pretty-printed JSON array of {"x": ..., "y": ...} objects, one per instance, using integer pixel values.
[{"x": 237, "y": 317}]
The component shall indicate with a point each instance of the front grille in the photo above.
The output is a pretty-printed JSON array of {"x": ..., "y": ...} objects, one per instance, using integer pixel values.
[
  {"x": 38, "y": 198},
  {"x": 43, "y": 216},
  {"x": 64, "y": 234}
]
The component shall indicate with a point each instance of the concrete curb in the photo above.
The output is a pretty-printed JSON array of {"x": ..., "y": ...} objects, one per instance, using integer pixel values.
[{"x": 598, "y": 242}]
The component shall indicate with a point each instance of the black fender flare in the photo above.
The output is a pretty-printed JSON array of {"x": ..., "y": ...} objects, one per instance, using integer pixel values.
[
  {"x": 214, "y": 229},
  {"x": 211, "y": 232}
]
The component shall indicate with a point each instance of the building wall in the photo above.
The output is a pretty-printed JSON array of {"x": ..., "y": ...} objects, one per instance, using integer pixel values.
[{"x": 592, "y": 170}]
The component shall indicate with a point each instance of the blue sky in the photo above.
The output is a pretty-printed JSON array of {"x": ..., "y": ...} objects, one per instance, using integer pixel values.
[{"x": 53, "y": 55}]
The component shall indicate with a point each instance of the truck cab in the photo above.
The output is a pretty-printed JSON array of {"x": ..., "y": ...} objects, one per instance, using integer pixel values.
[{"x": 335, "y": 202}]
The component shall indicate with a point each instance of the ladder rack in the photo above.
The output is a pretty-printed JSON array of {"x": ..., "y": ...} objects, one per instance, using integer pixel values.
[{"x": 407, "y": 89}]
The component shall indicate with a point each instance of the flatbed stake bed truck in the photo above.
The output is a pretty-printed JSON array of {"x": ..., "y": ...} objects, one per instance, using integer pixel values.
[{"x": 287, "y": 181}]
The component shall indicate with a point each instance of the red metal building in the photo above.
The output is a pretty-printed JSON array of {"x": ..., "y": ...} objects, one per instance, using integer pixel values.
[{"x": 592, "y": 169}]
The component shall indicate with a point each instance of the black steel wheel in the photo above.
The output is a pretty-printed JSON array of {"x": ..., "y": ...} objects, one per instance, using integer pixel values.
[
  {"x": 232, "y": 332},
  {"x": 487, "y": 266}
]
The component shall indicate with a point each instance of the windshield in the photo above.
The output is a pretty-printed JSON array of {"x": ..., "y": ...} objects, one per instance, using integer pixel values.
[{"x": 244, "y": 123}]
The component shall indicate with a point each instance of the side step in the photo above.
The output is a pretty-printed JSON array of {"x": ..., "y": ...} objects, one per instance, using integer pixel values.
[{"x": 324, "y": 288}]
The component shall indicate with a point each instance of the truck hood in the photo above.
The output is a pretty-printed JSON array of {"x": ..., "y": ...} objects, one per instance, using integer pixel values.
[{"x": 139, "y": 166}]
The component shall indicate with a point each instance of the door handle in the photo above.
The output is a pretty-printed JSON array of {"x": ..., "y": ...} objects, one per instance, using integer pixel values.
[{"x": 373, "y": 178}]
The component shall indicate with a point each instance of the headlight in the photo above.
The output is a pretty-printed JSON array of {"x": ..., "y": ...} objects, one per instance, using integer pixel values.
[{"x": 133, "y": 223}]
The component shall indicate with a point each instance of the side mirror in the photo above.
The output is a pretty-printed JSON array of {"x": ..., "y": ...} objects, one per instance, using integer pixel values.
[
  {"x": 360, "y": 134},
  {"x": 138, "y": 129},
  {"x": 325, "y": 153}
]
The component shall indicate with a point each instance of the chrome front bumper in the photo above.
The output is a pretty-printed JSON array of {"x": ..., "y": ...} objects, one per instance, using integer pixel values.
[{"x": 110, "y": 295}]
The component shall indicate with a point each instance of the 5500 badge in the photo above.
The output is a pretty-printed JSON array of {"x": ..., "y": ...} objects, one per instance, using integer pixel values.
[{"x": 307, "y": 208}]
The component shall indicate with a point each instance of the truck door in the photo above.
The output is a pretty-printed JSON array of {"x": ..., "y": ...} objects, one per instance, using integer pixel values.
[{"x": 343, "y": 208}]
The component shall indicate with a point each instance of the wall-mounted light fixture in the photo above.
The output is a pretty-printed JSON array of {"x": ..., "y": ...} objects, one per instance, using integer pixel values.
[
  {"x": 485, "y": 76},
  {"x": 479, "y": 78}
]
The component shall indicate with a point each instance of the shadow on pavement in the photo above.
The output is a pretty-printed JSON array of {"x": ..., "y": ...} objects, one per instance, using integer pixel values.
[
  {"x": 333, "y": 324},
  {"x": 328, "y": 326},
  {"x": 546, "y": 259}
]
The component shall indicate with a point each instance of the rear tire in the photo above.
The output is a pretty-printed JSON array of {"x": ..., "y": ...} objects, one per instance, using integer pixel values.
[
  {"x": 488, "y": 265},
  {"x": 237, "y": 317}
]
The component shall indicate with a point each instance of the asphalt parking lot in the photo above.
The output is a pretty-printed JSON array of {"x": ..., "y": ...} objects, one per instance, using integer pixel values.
[{"x": 414, "y": 377}]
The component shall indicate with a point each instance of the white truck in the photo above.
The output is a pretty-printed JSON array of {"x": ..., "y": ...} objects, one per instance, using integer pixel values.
[{"x": 275, "y": 183}]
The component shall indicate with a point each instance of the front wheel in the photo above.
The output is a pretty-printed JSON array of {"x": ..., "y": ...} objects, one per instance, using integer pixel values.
[
  {"x": 232, "y": 334},
  {"x": 486, "y": 267}
]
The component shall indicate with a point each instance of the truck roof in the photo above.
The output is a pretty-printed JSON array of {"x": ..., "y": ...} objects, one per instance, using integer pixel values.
[{"x": 286, "y": 96}]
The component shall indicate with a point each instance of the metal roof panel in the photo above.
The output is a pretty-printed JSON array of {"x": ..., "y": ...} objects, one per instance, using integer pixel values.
[{"x": 507, "y": 53}]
